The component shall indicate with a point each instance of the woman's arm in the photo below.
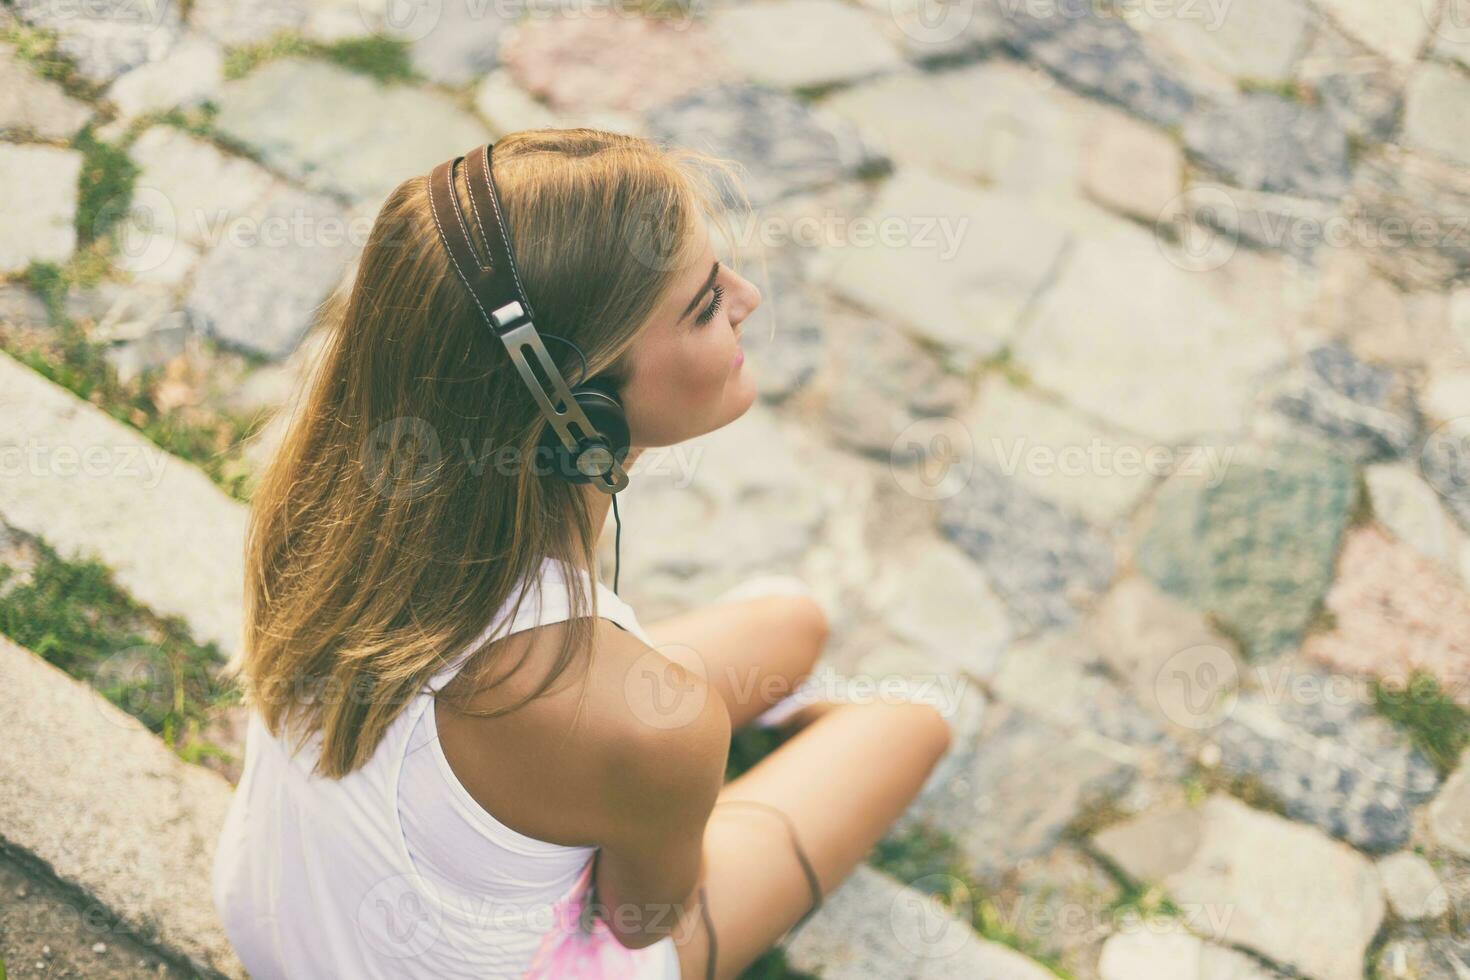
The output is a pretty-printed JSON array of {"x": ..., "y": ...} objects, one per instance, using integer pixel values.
[{"x": 661, "y": 778}]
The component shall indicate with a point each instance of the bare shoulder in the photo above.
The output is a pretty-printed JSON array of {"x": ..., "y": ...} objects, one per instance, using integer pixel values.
[
  {"x": 655, "y": 724},
  {"x": 621, "y": 728},
  {"x": 662, "y": 737}
]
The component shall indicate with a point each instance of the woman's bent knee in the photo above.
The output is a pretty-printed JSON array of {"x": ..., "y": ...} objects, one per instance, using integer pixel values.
[{"x": 917, "y": 721}]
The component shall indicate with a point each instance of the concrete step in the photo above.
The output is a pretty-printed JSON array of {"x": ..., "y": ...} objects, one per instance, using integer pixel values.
[
  {"x": 90, "y": 485},
  {"x": 105, "y": 806}
]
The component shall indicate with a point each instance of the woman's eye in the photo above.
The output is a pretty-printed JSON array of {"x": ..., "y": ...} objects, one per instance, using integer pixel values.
[{"x": 714, "y": 306}]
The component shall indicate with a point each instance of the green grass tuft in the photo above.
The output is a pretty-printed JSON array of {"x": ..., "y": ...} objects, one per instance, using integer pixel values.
[
  {"x": 930, "y": 860},
  {"x": 105, "y": 189},
  {"x": 748, "y": 746},
  {"x": 382, "y": 58},
  {"x": 40, "y": 48},
  {"x": 73, "y": 615},
  {"x": 1436, "y": 724},
  {"x": 68, "y": 358}
]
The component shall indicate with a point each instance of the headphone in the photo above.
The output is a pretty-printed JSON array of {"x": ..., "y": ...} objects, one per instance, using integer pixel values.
[{"x": 587, "y": 437}]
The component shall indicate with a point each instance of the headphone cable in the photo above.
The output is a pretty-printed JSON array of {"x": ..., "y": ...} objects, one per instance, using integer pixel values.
[{"x": 617, "y": 544}]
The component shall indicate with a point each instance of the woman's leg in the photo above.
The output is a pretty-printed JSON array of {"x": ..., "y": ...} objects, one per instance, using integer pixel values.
[
  {"x": 752, "y": 651},
  {"x": 842, "y": 780}
]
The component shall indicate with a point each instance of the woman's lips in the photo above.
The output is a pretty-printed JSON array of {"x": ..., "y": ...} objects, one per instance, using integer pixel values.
[{"x": 739, "y": 357}]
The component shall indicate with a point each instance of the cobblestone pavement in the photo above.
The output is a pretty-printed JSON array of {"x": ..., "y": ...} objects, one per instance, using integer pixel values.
[{"x": 1119, "y": 372}]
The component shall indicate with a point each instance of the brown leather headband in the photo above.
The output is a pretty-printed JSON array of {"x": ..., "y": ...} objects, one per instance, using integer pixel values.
[{"x": 495, "y": 287}]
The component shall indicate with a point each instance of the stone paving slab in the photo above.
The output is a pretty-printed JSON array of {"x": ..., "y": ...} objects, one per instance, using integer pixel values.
[
  {"x": 1396, "y": 612},
  {"x": 1359, "y": 409},
  {"x": 803, "y": 43},
  {"x": 354, "y": 137},
  {"x": 1253, "y": 879},
  {"x": 86, "y": 483},
  {"x": 38, "y": 196},
  {"x": 187, "y": 76},
  {"x": 1163, "y": 949},
  {"x": 238, "y": 22},
  {"x": 1266, "y": 142},
  {"x": 1449, "y": 814},
  {"x": 1258, "y": 548},
  {"x": 455, "y": 43},
  {"x": 873, "y": 926},
  {"x": 1398, "y": 30},
  {"x": 876, "y": 382},
  {"x": 1357, "y": 85},
  {"x": 1318, "y": 747},
  {"x": 942, "y": 272},
  {"x": 1129, "y": 348},
  {"x": 1022, "y": 129},
  {"x": 1215, "y": 47},
  {"x": 1412, "y": 887},
  {"x": 585, "y": 65},
  {"x": 105, "y": 40},
  {"x": 1059, "y": 454},
  {"x": 1397, "y": 189},
  {"x": 30, "y": 103},
  {"x": 1043, "y": 561},
  {"x": 1434, "y": 117},
  {"x": 1017, "y": 786},
  {"x": 260, "y": 288},
  {"x": 935, "y": 599},
  {"x": 785, "y": 146},
  {"x": 1098, "y": 53},
  {"x": 108, "y": 808},
  {"x": 190, "y": 189}
]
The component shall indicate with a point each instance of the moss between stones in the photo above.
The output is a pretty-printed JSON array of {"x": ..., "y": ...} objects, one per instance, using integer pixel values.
[
  {"x": 40, "y": 47},
  {"x": 1244, "y": 786},
  {"x": 105, "y": 187},
  {"x": 74, "y": 616},
  {"x": 382, "y": 58},
  {"x": 930, "y": 860},
  {"x": 1291, "y": 90},
  {"x": 1436, "y": 724},
  {"x": 213, "y": 441}
]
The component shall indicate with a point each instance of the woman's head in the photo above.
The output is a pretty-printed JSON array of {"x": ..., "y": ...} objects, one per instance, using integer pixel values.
[{"x": 407, "y": 499}]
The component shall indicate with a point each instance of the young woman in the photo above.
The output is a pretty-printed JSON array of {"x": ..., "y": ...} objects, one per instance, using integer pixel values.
[{"x": 466, "y": 757}]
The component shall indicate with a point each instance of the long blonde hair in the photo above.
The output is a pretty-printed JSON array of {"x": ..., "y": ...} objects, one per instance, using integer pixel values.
[{"x": 388, "y": 530}]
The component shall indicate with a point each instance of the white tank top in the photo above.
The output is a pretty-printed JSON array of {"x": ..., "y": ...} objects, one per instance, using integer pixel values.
[{"x": 395, "y": 870}]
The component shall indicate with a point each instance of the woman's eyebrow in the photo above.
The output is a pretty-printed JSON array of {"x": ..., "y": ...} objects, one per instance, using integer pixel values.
[{"x": 714, "y": 271}]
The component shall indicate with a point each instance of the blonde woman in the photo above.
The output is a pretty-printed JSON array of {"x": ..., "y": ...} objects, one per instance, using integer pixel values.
[{"x": 466, "y": 756}]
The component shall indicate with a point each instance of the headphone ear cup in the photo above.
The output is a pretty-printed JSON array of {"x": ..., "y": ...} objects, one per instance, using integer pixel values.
[{"x": 605, "y": 411}]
